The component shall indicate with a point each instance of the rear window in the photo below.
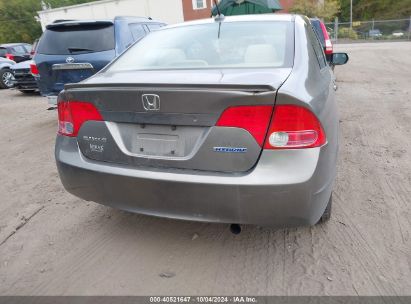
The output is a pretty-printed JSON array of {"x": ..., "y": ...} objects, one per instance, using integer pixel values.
[
  {"x": 66, "y": 40},
  {"x": 3, "y": 52},
  {"x": 28, "y": 48},
  {"x": 18, "y": 49},
  {"x": 229, "y": 45}
]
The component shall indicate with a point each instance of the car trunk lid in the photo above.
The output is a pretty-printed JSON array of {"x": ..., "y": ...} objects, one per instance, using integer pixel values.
[{"x": 174, "y": 119}]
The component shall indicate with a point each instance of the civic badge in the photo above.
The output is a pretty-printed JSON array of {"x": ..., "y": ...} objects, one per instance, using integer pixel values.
[
  {"x": 151, "y": 102},
  {"x": 69, "y": 59},
  {"x": 230, "y": 149}
]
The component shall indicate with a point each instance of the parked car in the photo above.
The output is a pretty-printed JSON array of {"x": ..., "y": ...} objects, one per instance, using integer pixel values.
[
  {"x": 321, "y": 31},
  {"x": 375, "y": 34},
  {"x": 71, "y": 51},
  {"x": 23, "y": 79},
  {"x": 398, "y": 34},
  {"x": 237, "y": 124},
  {"x": 17, "y": 52},
  {"x": 6, "y": 75}
]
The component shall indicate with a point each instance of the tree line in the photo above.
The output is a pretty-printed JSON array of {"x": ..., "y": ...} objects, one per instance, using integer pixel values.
[
  {"x": 17, "y": 18},
  {"x": 363, "y": 10}
]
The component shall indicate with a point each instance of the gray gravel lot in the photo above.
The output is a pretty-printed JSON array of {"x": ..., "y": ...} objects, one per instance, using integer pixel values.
[{"x": 52, "y": 243}]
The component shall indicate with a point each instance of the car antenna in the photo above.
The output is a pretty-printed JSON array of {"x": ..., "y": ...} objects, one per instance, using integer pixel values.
[{"x": 219, "y": 17}]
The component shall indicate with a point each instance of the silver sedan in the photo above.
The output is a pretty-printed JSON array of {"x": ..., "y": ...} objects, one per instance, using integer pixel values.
[{"x": 229, "y": 120}]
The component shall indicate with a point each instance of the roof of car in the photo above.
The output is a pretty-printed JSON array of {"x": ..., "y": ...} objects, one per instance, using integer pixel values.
[
  {"x": 59, "y": 23},
  {"x": 135, "y": 18},
  {"x": 260, "y": 17}
]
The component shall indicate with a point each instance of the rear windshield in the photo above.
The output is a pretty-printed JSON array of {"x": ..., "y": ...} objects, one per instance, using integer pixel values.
[
  {"x": 18, "y": 49},
  {"x": 67, "y": 40},
  {"x": 229, "y": 45}
]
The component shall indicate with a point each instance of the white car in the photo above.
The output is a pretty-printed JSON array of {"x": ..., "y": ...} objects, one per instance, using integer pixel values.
[
  {"x": 6, "y": 75},
  {"x": 398, "y": 34}
]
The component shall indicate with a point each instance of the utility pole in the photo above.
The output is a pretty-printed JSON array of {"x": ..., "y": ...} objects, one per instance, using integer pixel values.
[
  {"x": 336, "y": 29},
  {"x": 351, "y": 14},
  {"x": 409, "y": 29}
]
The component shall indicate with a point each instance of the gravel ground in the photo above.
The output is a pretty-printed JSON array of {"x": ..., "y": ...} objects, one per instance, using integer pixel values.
[{"x": 52, "y": 243}]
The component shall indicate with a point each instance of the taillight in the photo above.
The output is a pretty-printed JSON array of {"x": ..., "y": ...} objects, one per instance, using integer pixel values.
[
  {"x": 294, "y": 127},
  {"x": 33, "y": 69},
  {"x": 254, "y": 119},
  {"x": 328, "y": 47},
  {"x": 10, "y": 56},
  {"x": 72, "y": 114}
]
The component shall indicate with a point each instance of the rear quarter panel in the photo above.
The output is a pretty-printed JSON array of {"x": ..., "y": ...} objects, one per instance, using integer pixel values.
[{"x": 313, "y": 88}]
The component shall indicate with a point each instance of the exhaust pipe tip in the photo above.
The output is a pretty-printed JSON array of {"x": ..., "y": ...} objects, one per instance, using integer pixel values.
[{"x": 235, "y": 229}]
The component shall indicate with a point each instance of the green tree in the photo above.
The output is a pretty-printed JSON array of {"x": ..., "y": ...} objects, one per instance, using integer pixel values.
[
  {"x": 17, "y": 23},
  {"x": 375, "y": 9},
  {"x": 326, "y": 9},
  {"x": 17, "y": 18},
  {"x": 60, "y": 3}
]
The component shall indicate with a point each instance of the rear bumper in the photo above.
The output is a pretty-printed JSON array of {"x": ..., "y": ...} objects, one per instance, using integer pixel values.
[
  {"x": 25, "y": 85},
  {"x": 287, "y": 188},
  {"x": 45, "y": 88}
]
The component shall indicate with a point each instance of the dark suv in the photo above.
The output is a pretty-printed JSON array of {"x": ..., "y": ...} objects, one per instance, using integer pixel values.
[
  {"x": 71, "y": 51},
  {"x": 17, "y": 52}
]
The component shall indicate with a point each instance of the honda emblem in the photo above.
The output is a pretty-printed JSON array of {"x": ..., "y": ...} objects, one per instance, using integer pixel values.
[{"x": 151, "y": 102}]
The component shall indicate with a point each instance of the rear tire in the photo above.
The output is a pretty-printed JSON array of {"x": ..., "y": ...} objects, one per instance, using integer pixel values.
[
  {"x": 327, "y": 212},
  {"x": 5, "y": 79}
]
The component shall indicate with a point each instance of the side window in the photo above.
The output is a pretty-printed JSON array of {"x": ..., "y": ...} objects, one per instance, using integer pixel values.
[
  {"x": 318, "y": 49},
  {"x": 318, "y": 31},
  {"x": 153, "y": 26},
  {"x": 3, "y": 52},
  {"x": 137, "y": 30}
]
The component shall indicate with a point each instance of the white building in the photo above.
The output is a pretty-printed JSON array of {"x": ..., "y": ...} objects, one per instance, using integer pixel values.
[{"x": 169, "y": 11}]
